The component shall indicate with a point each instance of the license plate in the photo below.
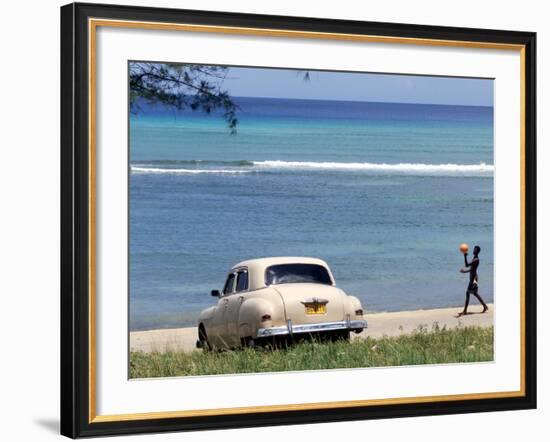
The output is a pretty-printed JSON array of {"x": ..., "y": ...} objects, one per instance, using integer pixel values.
[{"x": 316, "y": 309}]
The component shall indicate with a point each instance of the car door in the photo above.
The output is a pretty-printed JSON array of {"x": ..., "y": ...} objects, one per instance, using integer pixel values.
[
  {"x": 219, "y": 325},
  {"x": 233, "y": 307}
]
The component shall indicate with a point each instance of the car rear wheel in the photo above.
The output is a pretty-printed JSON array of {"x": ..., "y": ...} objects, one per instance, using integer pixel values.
[
  {"x": 248, "y": 342},
  {"x": 340, "y": 336}
]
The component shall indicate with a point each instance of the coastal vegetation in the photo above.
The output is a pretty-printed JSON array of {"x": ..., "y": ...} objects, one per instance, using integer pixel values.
[
  {"x": 182, "y": 86},
  {"x": 425, "y": 345},
  {"x": 185, "y": 86}
]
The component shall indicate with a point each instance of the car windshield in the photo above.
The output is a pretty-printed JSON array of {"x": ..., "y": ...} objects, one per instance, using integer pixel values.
[{"x": 295, "y": 273}]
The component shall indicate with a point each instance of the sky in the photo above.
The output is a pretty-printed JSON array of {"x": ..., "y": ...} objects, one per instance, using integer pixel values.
[{"x": 325, "y": 85}]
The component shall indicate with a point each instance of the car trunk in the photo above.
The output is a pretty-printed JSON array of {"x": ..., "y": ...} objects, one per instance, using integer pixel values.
[{"x": 307, "y": 303}]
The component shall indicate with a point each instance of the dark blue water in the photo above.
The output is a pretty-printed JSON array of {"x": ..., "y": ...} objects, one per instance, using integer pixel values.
[{"x": 383, "y": 192}]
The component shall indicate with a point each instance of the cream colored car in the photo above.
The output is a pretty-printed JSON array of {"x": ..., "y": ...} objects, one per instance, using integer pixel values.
[{"x": 269, "y": 300}]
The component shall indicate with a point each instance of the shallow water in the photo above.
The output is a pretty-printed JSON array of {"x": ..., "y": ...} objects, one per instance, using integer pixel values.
[{"x": 383, "y": 192}]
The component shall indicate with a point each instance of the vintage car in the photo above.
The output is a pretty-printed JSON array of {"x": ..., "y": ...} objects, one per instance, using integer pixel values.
[{"x": 273, "y": 300}]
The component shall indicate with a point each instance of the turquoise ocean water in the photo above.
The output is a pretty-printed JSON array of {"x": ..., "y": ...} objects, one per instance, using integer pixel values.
[{"x": 383, "y": 192}]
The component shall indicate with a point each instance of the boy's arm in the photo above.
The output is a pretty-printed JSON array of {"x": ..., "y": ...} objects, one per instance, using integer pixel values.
[{"x": 466, "y": 260}]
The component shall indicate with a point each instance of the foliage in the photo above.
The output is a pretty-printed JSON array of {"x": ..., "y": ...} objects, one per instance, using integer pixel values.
[
  {"x": 183, "y": 86},
  {"x": 424, "y": 346}
]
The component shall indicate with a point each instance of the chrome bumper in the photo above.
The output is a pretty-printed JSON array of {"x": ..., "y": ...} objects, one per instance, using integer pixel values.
[{"x": 290, "y": 329}]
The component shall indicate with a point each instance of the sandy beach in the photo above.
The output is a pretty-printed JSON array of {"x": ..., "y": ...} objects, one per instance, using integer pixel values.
[{"x": 380, "y": 324}]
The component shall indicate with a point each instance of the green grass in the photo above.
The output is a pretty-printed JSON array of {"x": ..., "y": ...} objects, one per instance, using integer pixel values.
[{"x": 423, "y": 346}]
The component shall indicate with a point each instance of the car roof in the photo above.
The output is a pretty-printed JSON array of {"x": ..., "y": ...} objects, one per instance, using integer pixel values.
[
  {"x": 256, "y": 267},
  {"x": 266, "y": 262}
]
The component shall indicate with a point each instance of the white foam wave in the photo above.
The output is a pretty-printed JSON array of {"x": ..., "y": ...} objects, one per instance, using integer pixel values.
[
  {"x": 139, "y": 169},
  {"x": 401, "y": 167},
  {"x": 256, "y": 166}
]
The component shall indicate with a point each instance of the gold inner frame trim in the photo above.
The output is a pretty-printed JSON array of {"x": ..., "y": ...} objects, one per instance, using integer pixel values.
[
  {"x": 298, "y": 407},
  {"x": 298, "y": 34},
  {"x": 93, "y": 24}
]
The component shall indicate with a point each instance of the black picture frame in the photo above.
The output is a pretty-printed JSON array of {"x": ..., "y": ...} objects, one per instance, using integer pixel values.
[{"x": 75, "y": 220}]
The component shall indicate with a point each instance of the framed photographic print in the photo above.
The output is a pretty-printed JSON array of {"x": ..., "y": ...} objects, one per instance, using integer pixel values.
[{"x": 274, "y": 220}]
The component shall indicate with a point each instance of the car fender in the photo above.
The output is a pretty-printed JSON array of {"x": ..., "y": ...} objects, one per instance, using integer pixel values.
[
  {"x": 352, "y": 304},
  {"x": 251, "y": 312},
  {"x": 206, "y": 316}
]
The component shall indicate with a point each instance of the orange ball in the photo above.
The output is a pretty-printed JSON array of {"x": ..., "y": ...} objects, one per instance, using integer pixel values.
[{"x": 464, "y": 247}]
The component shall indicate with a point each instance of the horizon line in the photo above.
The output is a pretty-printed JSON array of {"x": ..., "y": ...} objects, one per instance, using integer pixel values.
[{"x": 364, "y": 101}]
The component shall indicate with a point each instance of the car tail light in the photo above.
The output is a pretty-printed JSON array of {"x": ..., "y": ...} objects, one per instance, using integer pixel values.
[
  {"x": 359, "y": 312},
  {"x": 266, "y": 317}
]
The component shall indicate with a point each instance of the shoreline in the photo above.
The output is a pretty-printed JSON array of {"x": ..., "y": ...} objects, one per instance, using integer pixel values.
[
  {"x": 369, "y": 313},
  {"x": 380, "y": 324}
]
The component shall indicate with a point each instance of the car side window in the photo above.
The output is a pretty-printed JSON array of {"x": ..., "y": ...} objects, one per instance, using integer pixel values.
[
  {"x": 228, "y": 289},
  {"x": 242, "y": 281}
]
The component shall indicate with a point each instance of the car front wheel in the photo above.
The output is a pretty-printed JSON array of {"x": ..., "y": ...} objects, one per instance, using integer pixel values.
[{"x": 203, "y": 339}]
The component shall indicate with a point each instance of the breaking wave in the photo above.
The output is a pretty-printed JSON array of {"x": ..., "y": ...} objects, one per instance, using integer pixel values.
[
  {"x": 401, "y": 167},
  {"x": 245, "y": 166},
  {"x": 173, "y": 170}
]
